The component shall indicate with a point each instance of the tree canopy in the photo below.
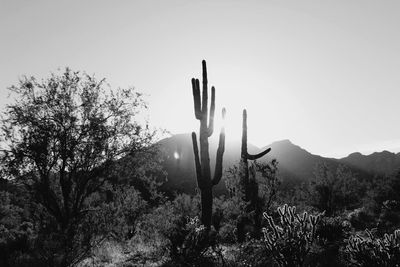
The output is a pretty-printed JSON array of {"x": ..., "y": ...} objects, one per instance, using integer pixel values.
[{"x": 62, "y": 137}]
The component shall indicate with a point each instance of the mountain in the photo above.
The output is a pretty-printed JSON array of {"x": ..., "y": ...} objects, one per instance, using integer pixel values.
[
  {"x": 380, "y": 163},
  {"x": 296, "y": 164}
]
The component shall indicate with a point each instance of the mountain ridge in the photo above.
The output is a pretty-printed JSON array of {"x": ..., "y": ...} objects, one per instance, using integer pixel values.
[{"x": 296, "y": 164}]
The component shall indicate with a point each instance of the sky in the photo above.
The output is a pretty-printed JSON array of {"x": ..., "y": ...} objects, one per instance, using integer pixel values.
[{"x": 324, "y": 74}]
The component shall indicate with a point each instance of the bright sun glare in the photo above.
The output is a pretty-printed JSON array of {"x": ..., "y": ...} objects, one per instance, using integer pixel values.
[
  {"x": 232, "y": 123},
  {"x": 176, "y": 155}
]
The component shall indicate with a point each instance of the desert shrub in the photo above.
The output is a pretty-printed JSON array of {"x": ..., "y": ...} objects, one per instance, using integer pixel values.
[
  {"x": 246, "y": 216},
  {"x": 332, "y": 229},
  {"x": 269, "y": 183},
  {"x": 382, "y": 189},
  {"x": 389, "y": 217},
  {"x": 17, "y": 229},
  {"x": 226, "y": 212},
  {"x": 332, "y": 233},
  {"x": 291, "y": 239},
  {"x": 161, "y": 227},
  {"x": 227, "y": 233},
  {"x": 173, "y": 229},
  {"x": 361, "y": 218},
  {"x": 116, "y": 217},
  {"x": 369, "y": 250},
  {"x": 381, "y": 207},
  {"x": 198, "y": 247},
  {"x": 252, "y": 253},
  {"x": 333, "y": 191}
]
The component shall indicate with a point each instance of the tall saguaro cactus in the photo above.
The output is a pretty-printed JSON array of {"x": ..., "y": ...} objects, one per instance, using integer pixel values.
[
  {"x": 203, "y": 170},
  {"x": 244, "y": 164}
]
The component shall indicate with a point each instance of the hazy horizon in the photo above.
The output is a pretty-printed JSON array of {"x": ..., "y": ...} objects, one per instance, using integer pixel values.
[
  {"x": 214, "y": 140},
  {"x": 321, "y": 74}
]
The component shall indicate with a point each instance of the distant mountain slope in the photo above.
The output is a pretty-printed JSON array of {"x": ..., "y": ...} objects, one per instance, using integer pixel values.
[
  {"x": 295, "y": 163},
  {"x": 381, "y": 163},
  {"x": 179, "y": 161},
  {"x": 180, "y": 170}
]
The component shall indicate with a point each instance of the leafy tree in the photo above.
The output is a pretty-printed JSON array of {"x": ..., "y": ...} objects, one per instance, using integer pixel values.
[
  {"x": 268, "y": 182},
  {"x": 61, "y": 138},
  {"x": 383, "y": 201},
  {"x": 334, "y": 191}
]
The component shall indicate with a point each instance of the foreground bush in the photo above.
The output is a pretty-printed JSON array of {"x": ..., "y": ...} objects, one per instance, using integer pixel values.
[
  {"x": 199, "y": 246},
  {"x": 161, "y": 228},
  {"x": 332, "y": 233}
]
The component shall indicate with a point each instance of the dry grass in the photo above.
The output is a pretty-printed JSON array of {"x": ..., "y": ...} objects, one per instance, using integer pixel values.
[{"x": 125, "y": 254}]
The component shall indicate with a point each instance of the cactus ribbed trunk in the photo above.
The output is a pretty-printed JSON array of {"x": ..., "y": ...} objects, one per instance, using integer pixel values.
[{"x": 202, "y": 162}]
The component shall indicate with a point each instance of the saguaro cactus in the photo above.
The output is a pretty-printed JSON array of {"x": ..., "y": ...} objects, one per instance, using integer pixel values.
[
  {"x": 246, "y": 184},
  {"x": 203, "y": 170}
]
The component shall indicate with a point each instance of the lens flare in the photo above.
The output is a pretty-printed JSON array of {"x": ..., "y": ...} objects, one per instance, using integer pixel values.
[{"x": 176, "y": 155}]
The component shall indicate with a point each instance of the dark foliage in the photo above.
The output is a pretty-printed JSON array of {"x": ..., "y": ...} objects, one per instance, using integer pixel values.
[
  {"x": 238, "y": 215},
  {"x": 333, "y": 192}
]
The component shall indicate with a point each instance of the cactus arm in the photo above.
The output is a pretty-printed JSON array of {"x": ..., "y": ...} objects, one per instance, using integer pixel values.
[
  {"x": 220, "y": 154},
  {"x": 244, "y": 141},
  {"x": 196, "y": 98},
  {"x": 259, "y": 155},
  {"x": 212, "y": 111},
  {"x": 197, "y": 159}
]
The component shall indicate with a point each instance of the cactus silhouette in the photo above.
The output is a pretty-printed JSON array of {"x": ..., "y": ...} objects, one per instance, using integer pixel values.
[
  {"x": 249, "y": 186},
  {"x": 202, "y": 162}
]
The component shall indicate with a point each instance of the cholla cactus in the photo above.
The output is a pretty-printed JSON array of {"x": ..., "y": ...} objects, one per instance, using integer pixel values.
[
  {"x": 291, "y": 239},
  {"x": 369, "y": 250}
]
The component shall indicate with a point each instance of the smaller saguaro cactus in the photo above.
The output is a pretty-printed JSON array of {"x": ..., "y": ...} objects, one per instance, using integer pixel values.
[
  {"x": 290, "y": 241},
  {"x": 249, "y": 187},
  {"x": 202, "y": 162}
]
